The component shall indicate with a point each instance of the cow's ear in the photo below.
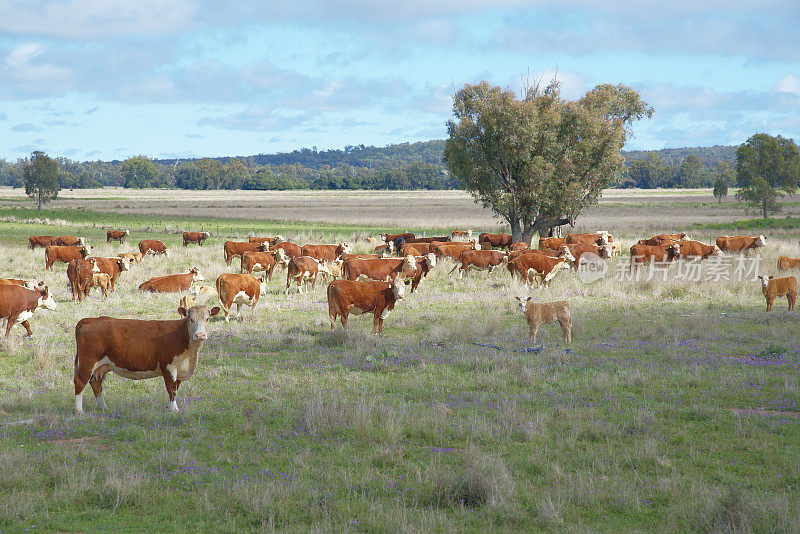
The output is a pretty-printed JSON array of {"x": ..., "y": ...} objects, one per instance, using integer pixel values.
[
  {"x": 214, "y": 311},
  {"x": 182, "y": 311}
]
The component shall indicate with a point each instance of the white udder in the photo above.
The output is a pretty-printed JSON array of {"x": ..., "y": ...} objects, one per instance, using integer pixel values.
[
  {"x": 133, "y": 375},
  {"x": 241, "y": 298},
  {"x": 24, "y": 316}
]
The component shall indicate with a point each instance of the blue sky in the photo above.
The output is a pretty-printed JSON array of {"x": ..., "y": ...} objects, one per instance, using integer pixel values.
[{"x": 107, "y": 79}]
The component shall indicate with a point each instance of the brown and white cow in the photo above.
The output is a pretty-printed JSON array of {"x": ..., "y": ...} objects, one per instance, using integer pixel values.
[
  {"x": 552, "y": 243},
  {"x": 741, "y": 243},
  {"x": 70, "y": 241},
  {"x": 172, "y": 283},
  {"x": 696, "y": 249},
  {"x": 113, "y": 267},
  {"x": 262, "y": 261},
  {"x": 387, "y": 238},
  {"x": 452, "y": 250},
  {"x": 239, "y": 289},
  {"x": 79, "y": 277},
  {"x": 418, "y": 248},
  {"x": 786, "y": 263},
  {"x": 479, "y": 259},
  {"x": 41, "y": 241},
  {"x": 459, "y": 235},
  {"x": 290, "y": 249},
  {"x": 17, "y": 305},
  {"x": 663, "y": 239},
  {"x": 382, "y": 269},
  {"x": 57, "y": 253},
  {"x": 117, "y": 235},
  {"x": 152, "y": 246},
  {"x": 27, "y": 284},
  {"x": 527, "y": 266},
  {"x": 271, "y": 241},
  {"x": 138, "y": 349},
  {"x": 326, "y": 252},
  {"x": 653, "y": 253},
  {"x": 423, "y": 267},
  {"x": 579, "y": 250},
  {"x": 599, "y": 238},
  {"x": 778, "y": 287},
  {"x": 379, "y": 298},
  {"x": 487, "y": 241},
  {"x": 303, "y": 269},
  {"x": 195, "y": 237},
  {"x": 231, "y": 249}
]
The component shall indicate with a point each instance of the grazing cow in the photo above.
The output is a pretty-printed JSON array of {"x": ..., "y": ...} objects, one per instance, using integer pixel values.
[
  {"x": 27, "y": 284},
  {"x": 102, "y": 281},
  {"x": 112, "y": 267},
  {"x": 653, "y": 253},
  {"x": 537, "y": 313},
  {"x": 552, "y": 243},
  {"x": 461, "y": 235},
  {"x": 41, "y": 241},
  {"x": 581, "y": 249},
  {"x": 54, "y": 253},
  {"x": 195, "y": 237},
  {"x": 348, "y": 296},
  {"x": 563, "y": 252},
  {"x": 202, "y": 291},
  {"x": 79, "y": 277},
  {"x": 138, "y": 349},
  {"x": 70, "y": 241},
  {"x": 302, "y": 269},
  {"x": 271, "y": 241},
  {"x": 152, "y": 246},
  {"x": 740, "y": 243},
  {"x": 527, "y": 265},
  {"x": 17, "y": 305},
  {"x": 599, "y": 238},
  {"x": 452, "y": 250},
  {"x": 479, "y": 259},
  {"x": 420, "y": 248},
  {"x": 391, "y": 237},
  {"x": 326, "y": 252},
  {"x": 382, "y": 269},
  {"x": 488, "y": 241},
  {"x": 132, "y": 257},
  {"x": 172, "y": 283},
  {"x": 231, "y": 249},
  {"x": 786, "y": 263},
  {"x": 117, "y": 235},
  {"x": 291, "y": 250},
  {"x": 778, "y": 287},
  {"x": 239, "y": 289},
  {"x": 423, "y": 267},
  {"x": 696, "y": 249},
  {"x": 516, "y": 247},
  {"x": 262, "y": 261}
]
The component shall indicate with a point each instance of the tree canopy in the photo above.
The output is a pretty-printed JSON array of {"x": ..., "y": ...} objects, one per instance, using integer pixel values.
[
  {"x": 767, "y": 168},
  {"x": 538, "y": 160},
  {"x": 41, "y": 178}
]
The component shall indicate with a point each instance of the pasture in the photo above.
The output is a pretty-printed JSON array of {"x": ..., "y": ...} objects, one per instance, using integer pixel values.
[{"x": 674, "y": 409}]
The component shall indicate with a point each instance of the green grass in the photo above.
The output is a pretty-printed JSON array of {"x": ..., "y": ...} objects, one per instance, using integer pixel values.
[
  {"x": 788, "y": 223},
  {"x": 676, "y": 410}
]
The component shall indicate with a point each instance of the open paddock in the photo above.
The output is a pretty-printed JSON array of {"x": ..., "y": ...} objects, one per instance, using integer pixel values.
[{"x": 676, "y": 407}]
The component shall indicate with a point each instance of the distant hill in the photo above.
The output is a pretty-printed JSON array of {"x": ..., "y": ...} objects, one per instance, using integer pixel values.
[{"x": 709, "y": 155}]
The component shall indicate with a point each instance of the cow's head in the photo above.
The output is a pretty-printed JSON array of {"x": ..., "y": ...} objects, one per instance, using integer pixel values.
[
  {"x": 715, "y": 251},
  {"x": 761, "y": 241},
  {"x": 566, "y": 253},
  {"x": 344, "y": 248},
  {"x": 603, "y": 237},
  {"x": 127, "y": 232},
  {"x": 430, "y": 259},
  {"x": 764, "y": 282},
  {"x": 34, "y": 285},
  {"x": 264, "y": 247},
  {"x": 46, "y": 300},
  {"x": 673, "y": 250},
  {"x": 563, "y": 264},
  {"x": 262, "y": 285},
  {"x": 196, "y": 276},
  {"x": 82, "y": 241},
  {"x": 281, "y": 257},
  {"x": 523, "y": 304},
  {"x": 469, "y": 232},
  {"x": 198, "y": 321},
  {"x": 605, "y": 251},
  {"x": 95, "y": 267},
  {"x": 124, "y": 263},
  {"x": 409, "y": 266},
  {"x": 278, "y": 239},
  {"x": 398, "y": 289},
  {"x": 85, "y": 253},
  {"x": 475, "y": 246},
  {"x": 391, "y": 247}
]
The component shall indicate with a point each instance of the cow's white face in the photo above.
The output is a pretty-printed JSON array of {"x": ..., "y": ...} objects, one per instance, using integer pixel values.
[
  {"x": 469, "y": 232},
  {"x": 127, "y": 232},
  {"x": 124, "y": 264},
  {"x": 198, "y": 321},
  {"x": 605, "y": 251},
  {"x": 398, "y": 288},
  {"x": 476, "y": 246},
  {"x": 761, "y": 242},
  {"x": 196, "y": 276},
  {"x": 206, "y": 235},
  {"x": 409, "y": 265},
  {"x": 715, "y": 251},
  {"x": 430, "y": 259},
  {"x": 346, "y": 247},
  {"x": 46, "y": 300},
  {"x": 88, "y": 249},
  {"x": 764, "y": 282},
  {"x": 279, "y": 239},
  {"x": 391, "y": 247},
  {"x": 523, "y": 304},
  {"x": 95, "y": 267},
  {"x": 262, "y": 285},
  {"x": 566, "y": 253}
]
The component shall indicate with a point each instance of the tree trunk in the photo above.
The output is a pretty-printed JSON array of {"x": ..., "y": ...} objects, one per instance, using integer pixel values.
[
  {"x": 764, "y": 208},
  {"x": 40, "y": 200},
  {"x": 516, "y": 230}
]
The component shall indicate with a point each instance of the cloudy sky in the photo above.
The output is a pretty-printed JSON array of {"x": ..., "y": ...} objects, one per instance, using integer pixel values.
[{"x": 108, "y": 79}]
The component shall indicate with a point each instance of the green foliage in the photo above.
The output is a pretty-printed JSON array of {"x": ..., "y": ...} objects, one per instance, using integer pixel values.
[
  {"x": 720, "y": 189},
  {"x": 767, "y": 168},
  {"x": 41, "y": 178},
  {"x": 140, "y": 172},
  {"x": 692, "y": 172},
  {"x": 539, "y": 160}
]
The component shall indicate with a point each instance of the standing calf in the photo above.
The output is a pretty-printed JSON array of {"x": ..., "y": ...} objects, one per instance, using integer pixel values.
[
  {"x": 537, "y": 313},
  {"x": 778, "y": 287}
]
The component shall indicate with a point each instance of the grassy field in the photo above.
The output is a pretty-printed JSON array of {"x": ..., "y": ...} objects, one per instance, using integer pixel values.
[{"x": 675, "y": 408}]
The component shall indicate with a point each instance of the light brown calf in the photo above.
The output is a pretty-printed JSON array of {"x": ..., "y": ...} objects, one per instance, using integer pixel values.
[
  {"x": 778, "y": 287},
  {"x": 537, "y": 313},
  {"x": 786, "y": 263},
  {"x": 101, "y": 281}
]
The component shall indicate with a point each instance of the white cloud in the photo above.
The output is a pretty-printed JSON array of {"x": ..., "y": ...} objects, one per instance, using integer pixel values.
[{"x": 788, "y": 84}]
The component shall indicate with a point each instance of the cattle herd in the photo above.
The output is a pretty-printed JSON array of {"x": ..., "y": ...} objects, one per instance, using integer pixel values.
[{"x": 357, "y": 284}]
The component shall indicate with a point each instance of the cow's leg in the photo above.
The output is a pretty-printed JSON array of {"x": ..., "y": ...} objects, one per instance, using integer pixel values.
[
  {"x": 791, "y": 298},
  {"x": 269, "y": 272},
  {"x": 565, "y": 327},
  {"x": 533, "y": 331},
  {"x": 376, "y": 322},
  {"x": 97, "y": 385},
  {"x": 172, "y": 388},
  {"x": 12, "y": 319},
  {"x": 27, "y": 326},
  {"x": 83, "y": 373}
]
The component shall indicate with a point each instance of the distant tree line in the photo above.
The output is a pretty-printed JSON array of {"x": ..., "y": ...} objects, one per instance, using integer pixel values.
[{"x": 401, "y": 166}]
